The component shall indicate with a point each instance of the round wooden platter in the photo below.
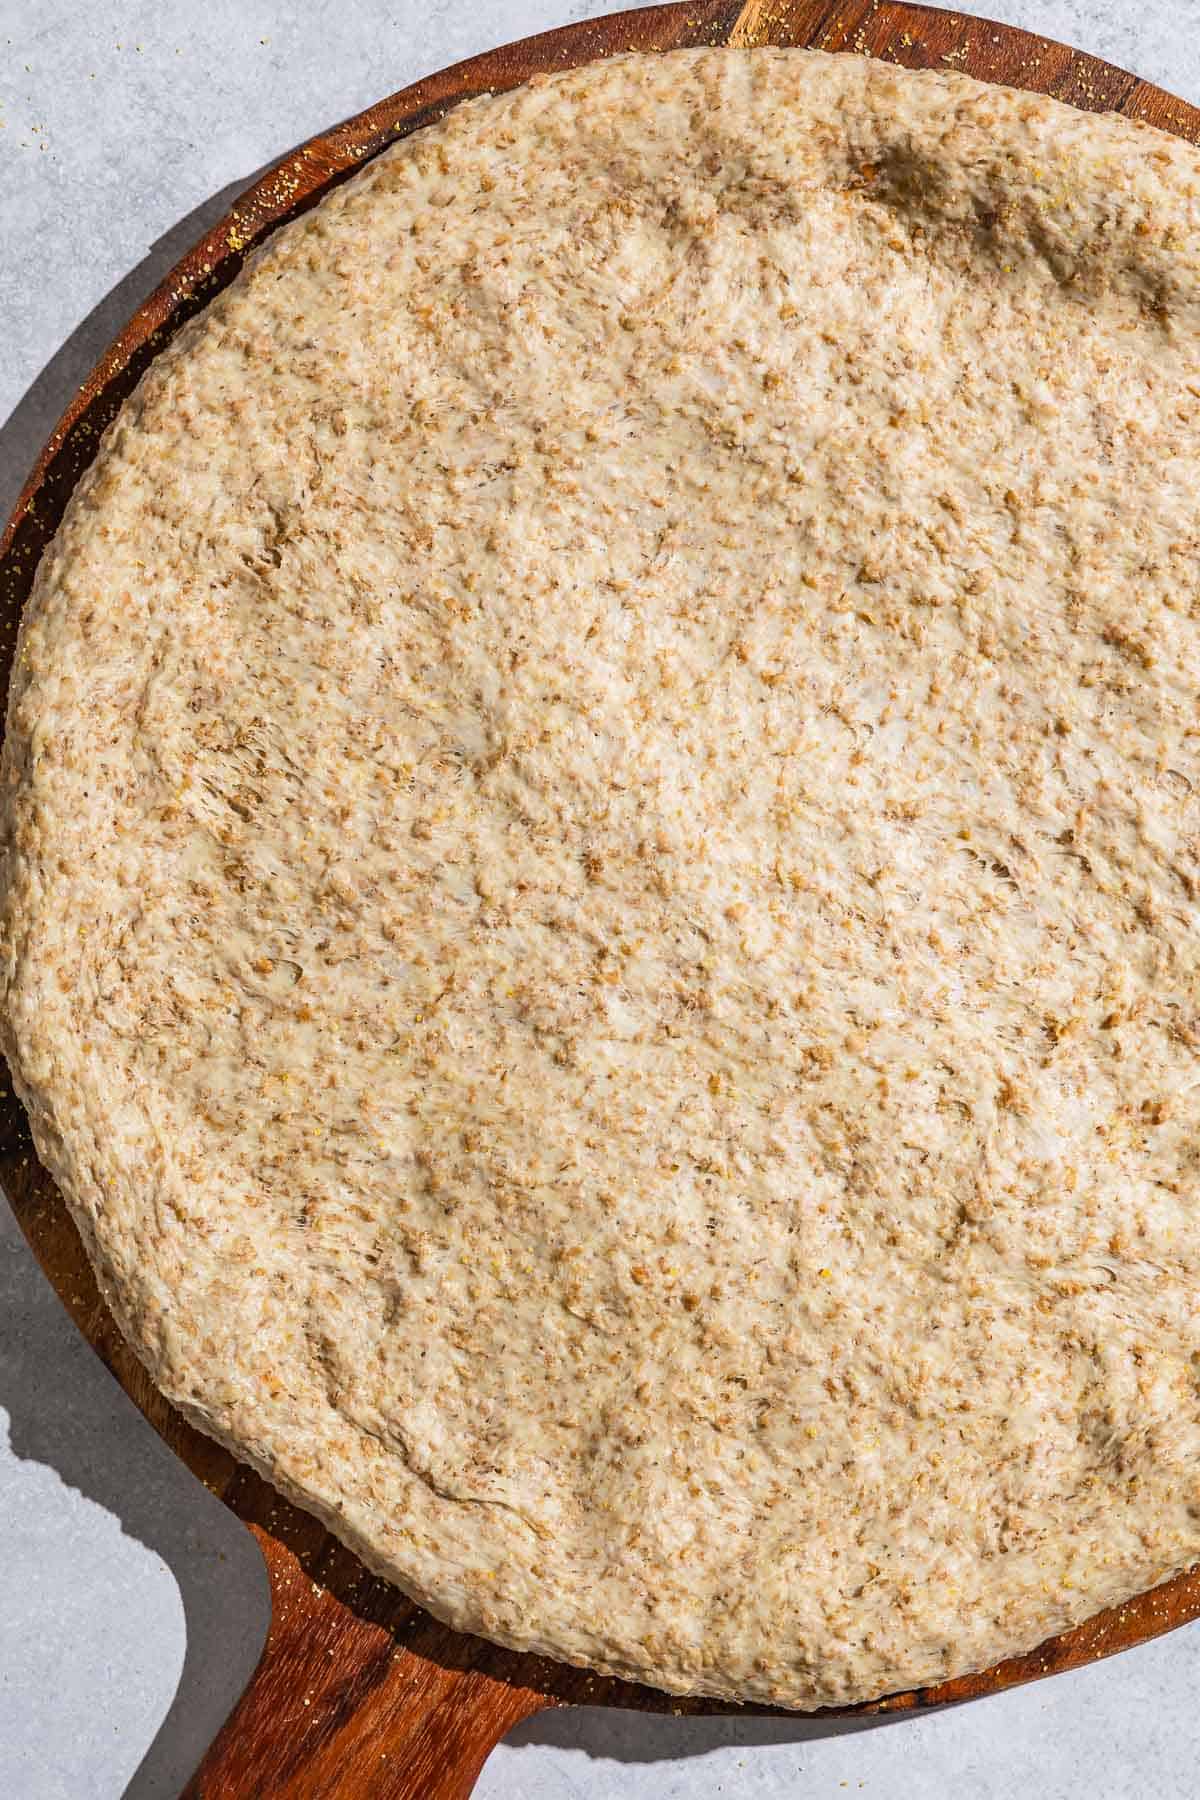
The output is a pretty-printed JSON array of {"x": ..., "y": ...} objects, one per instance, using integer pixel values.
[{"x": 360, "y": 1695}]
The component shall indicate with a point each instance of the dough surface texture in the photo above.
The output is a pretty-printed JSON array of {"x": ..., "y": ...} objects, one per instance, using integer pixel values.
[{"x": 601, "y": 833}]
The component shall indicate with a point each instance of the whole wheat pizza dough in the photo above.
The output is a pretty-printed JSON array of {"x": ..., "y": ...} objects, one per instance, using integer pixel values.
[{"x": 602, "y": 843}]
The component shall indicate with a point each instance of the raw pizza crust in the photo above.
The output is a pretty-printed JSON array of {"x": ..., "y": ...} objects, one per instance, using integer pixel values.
[{"x": 602, "y": 823}]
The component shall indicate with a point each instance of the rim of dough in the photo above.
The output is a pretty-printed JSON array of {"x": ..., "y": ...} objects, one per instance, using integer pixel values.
[{"x": 601, "y": 829}]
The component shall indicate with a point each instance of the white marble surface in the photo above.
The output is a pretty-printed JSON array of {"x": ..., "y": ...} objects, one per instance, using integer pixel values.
[{"x": 131, "y": 1605}]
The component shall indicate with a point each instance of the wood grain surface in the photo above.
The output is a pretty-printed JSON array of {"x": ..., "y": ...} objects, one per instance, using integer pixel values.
[{"x": 359, "y": 1694}]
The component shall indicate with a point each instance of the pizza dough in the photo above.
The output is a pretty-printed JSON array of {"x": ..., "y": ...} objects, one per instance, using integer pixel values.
[{"x": 602, "y": 841}]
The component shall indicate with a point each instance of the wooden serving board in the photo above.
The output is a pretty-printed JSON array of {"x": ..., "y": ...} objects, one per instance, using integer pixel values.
[{"x": 359, "y": 1694}]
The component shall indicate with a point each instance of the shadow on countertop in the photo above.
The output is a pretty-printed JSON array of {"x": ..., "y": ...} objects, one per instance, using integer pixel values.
[
  {"x": 68, "y": 1414},
  {"x": 638, "y": 1737}
]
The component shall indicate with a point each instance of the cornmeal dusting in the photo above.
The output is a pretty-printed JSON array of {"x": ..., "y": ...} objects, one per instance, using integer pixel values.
[{"x": 602, "y": 845}]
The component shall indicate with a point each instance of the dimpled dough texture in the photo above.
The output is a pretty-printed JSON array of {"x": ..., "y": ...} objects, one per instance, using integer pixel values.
[{"x": 602, "y": 849}]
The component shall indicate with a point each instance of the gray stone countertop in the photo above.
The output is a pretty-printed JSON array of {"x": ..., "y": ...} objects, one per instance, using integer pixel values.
[{"x": 132, "y": 1606}]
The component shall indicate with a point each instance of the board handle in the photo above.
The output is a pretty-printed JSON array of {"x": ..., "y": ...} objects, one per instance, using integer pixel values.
[{"x": 342, "y": 1708}]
